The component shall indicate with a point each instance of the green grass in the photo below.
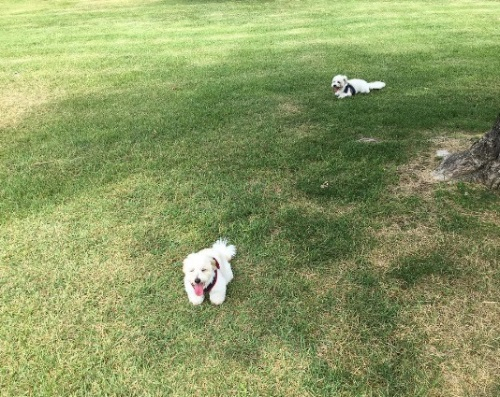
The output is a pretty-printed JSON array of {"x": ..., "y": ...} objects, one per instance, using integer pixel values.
[{"x": 132, "y": 133}]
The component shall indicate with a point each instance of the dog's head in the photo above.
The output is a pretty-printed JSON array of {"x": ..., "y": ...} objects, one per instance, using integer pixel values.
[
  {"x": 199, "y": 271},
  {"x": 339, "y": 82}
]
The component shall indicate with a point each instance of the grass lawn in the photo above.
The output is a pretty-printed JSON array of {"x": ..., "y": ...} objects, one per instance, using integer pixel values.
[{"x": 135, "y": 132}]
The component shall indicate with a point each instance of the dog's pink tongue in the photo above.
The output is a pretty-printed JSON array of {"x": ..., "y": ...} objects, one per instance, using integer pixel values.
[{"x": 198, "y": 289}]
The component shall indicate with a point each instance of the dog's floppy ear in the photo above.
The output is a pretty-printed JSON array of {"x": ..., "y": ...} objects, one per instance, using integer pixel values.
[
  {"x": 345, "y": 79},
  {"x": 213, "y": 262}
]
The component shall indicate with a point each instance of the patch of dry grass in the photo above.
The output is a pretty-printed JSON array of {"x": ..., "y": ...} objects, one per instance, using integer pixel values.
[
  {"x": 416, "y": 176},
  {"x": 17, "y": 101},
  {"x": 463, "y": 335}
]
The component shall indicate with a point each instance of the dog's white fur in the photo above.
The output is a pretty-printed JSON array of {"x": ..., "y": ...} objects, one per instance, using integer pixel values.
[
  {"x": 340, "y": 81},
  {"x": 199, "y": 271}
]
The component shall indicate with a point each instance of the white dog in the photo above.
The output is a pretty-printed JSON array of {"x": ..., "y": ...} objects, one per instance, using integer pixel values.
[
  {"x": 342, "y": 87},
  {"x": 208, "y": 272}
]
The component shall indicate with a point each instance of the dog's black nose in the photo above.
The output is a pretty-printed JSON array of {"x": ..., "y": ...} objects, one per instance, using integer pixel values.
[{"x": 197, "y": 280}]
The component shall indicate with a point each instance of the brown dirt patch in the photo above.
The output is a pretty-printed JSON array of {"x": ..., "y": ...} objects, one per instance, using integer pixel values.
[{"x": 416, "y": 176}]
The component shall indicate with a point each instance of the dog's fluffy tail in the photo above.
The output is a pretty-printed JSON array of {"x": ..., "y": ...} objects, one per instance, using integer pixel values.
[
  {"x": 228, "y": 251},
  {"x": 376, "y": 85}
]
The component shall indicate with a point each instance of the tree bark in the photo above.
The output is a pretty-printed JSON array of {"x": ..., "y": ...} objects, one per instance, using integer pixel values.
[{"x": 480, "y": 163}]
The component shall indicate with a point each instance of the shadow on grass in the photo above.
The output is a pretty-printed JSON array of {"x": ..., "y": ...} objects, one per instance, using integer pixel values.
[
  {"x": 100, "y": 138},
  {"x": 414, "y": 269},
  {"x": 316, "y": 239}
]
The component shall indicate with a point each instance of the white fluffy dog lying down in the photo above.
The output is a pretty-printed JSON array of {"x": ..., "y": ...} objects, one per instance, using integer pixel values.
[
  {"x": 342, "y": 87},
  {"x": 208, "y": 272}
]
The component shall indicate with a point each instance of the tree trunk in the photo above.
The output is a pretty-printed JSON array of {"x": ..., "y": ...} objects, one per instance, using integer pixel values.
[{"x": 481, "y": 163}]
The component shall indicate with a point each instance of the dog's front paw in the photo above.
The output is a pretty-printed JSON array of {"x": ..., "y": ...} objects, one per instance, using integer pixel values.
[
  {"x": 217, "y": 299},
  {"x": 196, "y": 300}
]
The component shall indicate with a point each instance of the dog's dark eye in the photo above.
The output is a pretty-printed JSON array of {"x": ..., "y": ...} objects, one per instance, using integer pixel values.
[{"x": 203, "y": 270}]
